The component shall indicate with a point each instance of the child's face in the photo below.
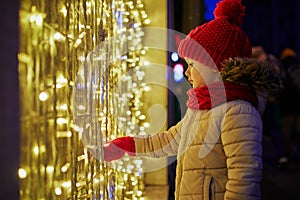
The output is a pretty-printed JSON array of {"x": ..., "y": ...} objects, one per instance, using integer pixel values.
[{"x": 196, "y": 72}]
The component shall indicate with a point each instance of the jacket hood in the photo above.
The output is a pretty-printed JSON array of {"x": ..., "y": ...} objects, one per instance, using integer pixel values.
[{"x": 261, "y": 76}]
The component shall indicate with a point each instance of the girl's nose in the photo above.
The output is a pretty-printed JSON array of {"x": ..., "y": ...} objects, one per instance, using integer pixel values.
[{"x": 187, "y": 71}]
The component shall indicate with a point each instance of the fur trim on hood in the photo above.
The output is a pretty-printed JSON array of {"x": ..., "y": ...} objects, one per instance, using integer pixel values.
[{"x": 259, "y": 75}]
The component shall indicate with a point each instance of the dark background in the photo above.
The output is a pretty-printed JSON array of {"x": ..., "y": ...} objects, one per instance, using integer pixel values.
[
  {"x": 275, "y": 24},
  {"x": 272, "y": 23},
  {"x": 9, "y": 101}
]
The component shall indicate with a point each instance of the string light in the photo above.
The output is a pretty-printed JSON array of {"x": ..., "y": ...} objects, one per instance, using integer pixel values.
[
  {"x": 55, "y": 42},
  {"x": 43, "y": 96},
  {"x": 22, "y": 173}
]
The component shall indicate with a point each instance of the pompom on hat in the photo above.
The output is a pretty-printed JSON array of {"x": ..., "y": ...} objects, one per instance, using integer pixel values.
[{"x": 214, "y": 42}]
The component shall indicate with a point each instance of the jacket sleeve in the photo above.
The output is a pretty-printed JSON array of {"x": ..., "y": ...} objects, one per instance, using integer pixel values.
[
  {"x": 160, "y": 144},
  {"x": 241, "y": 137}
]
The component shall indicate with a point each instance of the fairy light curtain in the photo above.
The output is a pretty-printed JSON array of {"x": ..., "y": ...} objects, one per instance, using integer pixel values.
[{"x": 81, "y": 84}]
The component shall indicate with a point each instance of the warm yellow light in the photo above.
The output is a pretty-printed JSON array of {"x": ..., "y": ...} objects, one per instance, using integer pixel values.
[
  {"x": 36, "y": 18},
  {"x": 130, "y": 168},
  {"x": 140, "y": 75},
  {"x": 24, "y": 58},
  {"x": 78, "y": 184},
  {"x": 61, "y": 121},
  {"x": 147, "y": 88},
  {"x": 62, "y": 107},
  {"x": 39, "y": 20},
  {"x": 22, "y": 173},
  {"x": 134, "y": 85},
  {"x": 66, "y": 184},
  {"x": 138, "y": 113},
  {"x": 139, "y": 193},
  {"x": 77, "y": 43},
  {"x": 49, "y": 64},
  {"x": 142, "y": 117},
  {"x": 146, "y": 125},
  {"x": 125, "y": 177},
  {"x": 96, "y": 180},
  {"x": 39, "y": 149},
  {"x": 141, "y": 5},
  {"x": 89, "y": 175},
  {"x": 58, "y": 191},
  {"x": 82, "y": 157},
  {"x": 102, "y": 178},
  {"x": 88, "y": 4},
  {"x": 135, "y": 13},
  {"x": 134, "y": 183},
  {"x": 138, "y": 162},
  {"x": 144, "y": 14},
  {"x": 81, "y": 58},
  {"x": 64, "y": 11},
  {"x": 61, "y": 81},
  {"x": 43, "y": 96},
  {"x": 59, "y": 37},
  {"x": 147, "y": 21},
  {"x": 120, "y": 168},
  {"x": 64, "y": 134},
  {"x": 65, "y": 167},
  {"x": 36, "y": 150},
  {"x": 82, "y": 35},
  {"x": 81, "y": 107},
  {"x": 50, "y": 169}
]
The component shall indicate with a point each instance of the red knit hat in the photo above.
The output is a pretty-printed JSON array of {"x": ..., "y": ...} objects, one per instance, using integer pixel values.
[{"x": 222, "y": 38}]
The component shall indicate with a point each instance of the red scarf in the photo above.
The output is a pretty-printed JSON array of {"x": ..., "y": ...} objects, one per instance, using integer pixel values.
[{"x": 209, "y": 96}]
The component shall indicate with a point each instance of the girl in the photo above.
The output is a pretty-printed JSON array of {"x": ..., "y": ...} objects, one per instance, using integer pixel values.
[{"x": 218, "y": 142}]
